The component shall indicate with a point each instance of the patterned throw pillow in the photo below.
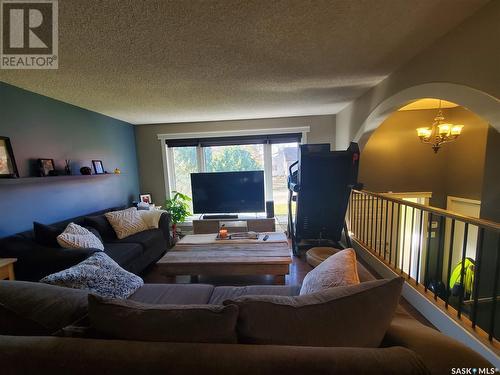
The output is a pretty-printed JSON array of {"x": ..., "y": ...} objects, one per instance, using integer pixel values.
[
  {"x": 151, "y": 217},
  {"x": 77, "y": 237},
  {"x": 98, "y": 274},
  {"x": 339, "y": 269},
  {"x": 126, "y": 222}
]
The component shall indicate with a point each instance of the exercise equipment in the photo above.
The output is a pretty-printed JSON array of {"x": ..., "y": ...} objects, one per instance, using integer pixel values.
[{"x": 320, "y": 183}]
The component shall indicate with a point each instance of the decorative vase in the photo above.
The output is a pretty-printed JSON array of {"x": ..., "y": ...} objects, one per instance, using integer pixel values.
[
  {"x": 86, "y": 171},
  {"x": 67, "y": 168}
]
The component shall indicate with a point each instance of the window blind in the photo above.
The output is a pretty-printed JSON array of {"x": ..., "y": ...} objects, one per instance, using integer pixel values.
[{"x": 232, "y": 141}]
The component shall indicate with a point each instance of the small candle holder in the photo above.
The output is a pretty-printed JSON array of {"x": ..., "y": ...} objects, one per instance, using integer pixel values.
[{"x": 222, "y": 232}]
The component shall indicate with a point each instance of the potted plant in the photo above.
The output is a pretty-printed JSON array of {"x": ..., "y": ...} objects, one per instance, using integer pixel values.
[{"x": 178, "y": 208}]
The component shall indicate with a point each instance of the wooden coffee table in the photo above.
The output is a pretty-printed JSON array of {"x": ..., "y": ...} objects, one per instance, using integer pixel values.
[{"x": 202, "y": 254}]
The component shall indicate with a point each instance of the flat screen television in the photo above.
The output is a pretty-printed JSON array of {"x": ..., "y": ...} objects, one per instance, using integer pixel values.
[{"x": 228, "y": 192}]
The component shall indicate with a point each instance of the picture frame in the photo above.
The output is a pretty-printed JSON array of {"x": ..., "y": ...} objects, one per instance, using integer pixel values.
[
  {"x": 145, "y": 198},
  {"x": 98, "y": 167},
  {"x": 8, "y": 166},
  {"x": 46, "y": 167}
]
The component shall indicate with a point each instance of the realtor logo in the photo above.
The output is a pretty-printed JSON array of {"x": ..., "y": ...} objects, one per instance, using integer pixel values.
[{"x": 29, "y": 34}]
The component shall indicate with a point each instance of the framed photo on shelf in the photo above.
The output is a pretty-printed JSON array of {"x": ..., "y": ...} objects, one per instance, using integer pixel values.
[
  {"x": 98, "y": 167},
  {"x": 8, "y": 167},
  {"x": 145, "y": 198},
  {"x": 46, "y": 167}
]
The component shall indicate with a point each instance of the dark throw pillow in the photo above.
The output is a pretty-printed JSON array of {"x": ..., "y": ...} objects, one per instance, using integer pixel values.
[
  {"x": 95, "y": 232},
  {"x": 102, "y": 225},
  {"x": 347, "y": 316},
  {"x": 46, "y": 235},
  {"x": 130, "y": 320},
  {"x": 33, "y": 309}
]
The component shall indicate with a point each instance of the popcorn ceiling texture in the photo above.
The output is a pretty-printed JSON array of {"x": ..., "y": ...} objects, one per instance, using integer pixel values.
[{"x": 175, "y": 61}]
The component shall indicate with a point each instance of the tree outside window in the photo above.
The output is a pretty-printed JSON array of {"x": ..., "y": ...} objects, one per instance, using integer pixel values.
[{"x": 234, "y": 158}]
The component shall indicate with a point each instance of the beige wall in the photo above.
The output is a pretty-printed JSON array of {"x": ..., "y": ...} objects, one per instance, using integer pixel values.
[
  {"x": 149, "y": 152},
  {"x": 395, "y": 160},
  {"x": 468, "y": 55}
]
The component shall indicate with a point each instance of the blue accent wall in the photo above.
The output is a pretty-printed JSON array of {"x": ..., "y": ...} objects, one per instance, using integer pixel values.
[{"x": 41, "y": 127}]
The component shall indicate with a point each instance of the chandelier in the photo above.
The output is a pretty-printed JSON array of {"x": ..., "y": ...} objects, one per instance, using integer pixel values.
[{"x": 440, "y": 132}]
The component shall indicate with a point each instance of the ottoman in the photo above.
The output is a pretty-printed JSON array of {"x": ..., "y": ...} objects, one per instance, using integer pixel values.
[{"x": 316, "y": 255}]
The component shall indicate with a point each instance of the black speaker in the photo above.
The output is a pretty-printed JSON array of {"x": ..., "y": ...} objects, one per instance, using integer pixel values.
[{"x": 270, "y": 209}]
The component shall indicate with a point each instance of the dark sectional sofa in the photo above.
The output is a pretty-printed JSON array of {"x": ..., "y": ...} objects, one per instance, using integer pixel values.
[
  {"x": 37, "y": 259},
  {"x": 408, "y": 347}
]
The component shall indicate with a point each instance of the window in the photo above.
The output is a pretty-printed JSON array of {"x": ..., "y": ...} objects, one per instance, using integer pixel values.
[
  {"x": 272, "y": 153},
  {"x": 234, "y": 158},
  {"x": 185, "y": 162},
  {"x": 284, "y": 155}
]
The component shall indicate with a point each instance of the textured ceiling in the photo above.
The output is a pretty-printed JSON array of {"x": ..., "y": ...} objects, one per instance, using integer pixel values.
[{"x": 187, "y": 60}]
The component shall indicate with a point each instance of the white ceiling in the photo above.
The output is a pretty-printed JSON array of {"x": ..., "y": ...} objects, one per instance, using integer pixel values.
[{"x": 193, "y": 60}]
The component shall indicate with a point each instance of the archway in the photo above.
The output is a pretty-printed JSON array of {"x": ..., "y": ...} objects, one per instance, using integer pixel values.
[
  {"x": 482, "y": 104},
  {"x": 394, "y": 159}
]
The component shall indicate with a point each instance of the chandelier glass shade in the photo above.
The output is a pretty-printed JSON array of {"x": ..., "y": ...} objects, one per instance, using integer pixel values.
[{"x": 440, "y": 132}]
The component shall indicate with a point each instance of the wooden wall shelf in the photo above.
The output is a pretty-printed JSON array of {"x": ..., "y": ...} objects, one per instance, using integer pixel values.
[{"x": 31, "y": 180}]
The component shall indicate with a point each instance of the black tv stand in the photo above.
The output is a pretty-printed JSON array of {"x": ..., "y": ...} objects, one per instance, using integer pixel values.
[{"x": 223, "y": 217}]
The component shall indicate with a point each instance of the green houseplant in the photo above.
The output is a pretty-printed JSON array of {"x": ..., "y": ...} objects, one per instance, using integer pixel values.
[{"x": 178, "y": 208}]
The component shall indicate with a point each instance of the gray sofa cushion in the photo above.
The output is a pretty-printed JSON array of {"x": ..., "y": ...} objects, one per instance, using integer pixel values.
[
  {"x": 46, "y": 235},
  {"x": 130, "y": 320},
  {"x": 222, "y": 293},
  {"x": 38, "y": 309},
  {"x": 123, "y": 253},
  {"x": 101, "y": 223},
  {"x": 148, "y": 239},
  {"x": 98, "y": 274},
  {"x": 351, "y": 316},
  {"x": 174, "y": 294},
  {"x": 364, "y": 274}
]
